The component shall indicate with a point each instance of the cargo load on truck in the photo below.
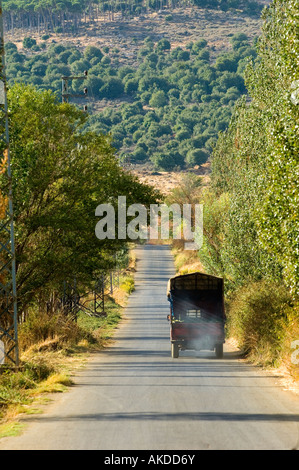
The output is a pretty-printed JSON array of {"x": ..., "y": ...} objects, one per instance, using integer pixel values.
[{"x": 197, "y": 316}]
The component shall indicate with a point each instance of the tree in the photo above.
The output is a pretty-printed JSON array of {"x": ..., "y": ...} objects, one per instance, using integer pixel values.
[
  {"x": 255, "y": 162},
  {"x": 93, "y": 84},
  {"x": 197, "y": 157},
  {"x": 39, "y": 68},
  {"x": 112, "y": 88},
  {"x": 28, "y": 43},
  {"x": 59, "y": 177},
  {"x": 79, "y": 66},
  {"x": 163, "y": 45},
  {"x": 199, "y": 45},
  {"x": 168, "y": 161},
  {"x": 187, "y": 192},
  {"x": 231, "y": 79},
  {"x": 139, "y": 154},
  {"x": 152, "y": 59},
  {"x": 131, "y": 86},
  {"x": 91, "y": 51},
  {"x": 226, "y": 62},
  {"x": 158, "y": 99},
  {"x": 10, "y": 48},
  {"x": 158, "y": 130},
  {"x": 238, "y": 39}
]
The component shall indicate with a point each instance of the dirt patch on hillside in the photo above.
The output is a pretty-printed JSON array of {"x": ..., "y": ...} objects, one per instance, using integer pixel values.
[
  {"x": 125, "y": 35},
  {"x": 166, "y": 181}
]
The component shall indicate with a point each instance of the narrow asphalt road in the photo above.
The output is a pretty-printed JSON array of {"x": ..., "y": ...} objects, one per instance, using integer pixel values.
[{"x": 134, "y": 396}]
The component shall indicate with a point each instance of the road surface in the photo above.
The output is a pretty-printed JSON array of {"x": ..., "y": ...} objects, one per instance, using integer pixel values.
[{"x": 135, "y": 396}]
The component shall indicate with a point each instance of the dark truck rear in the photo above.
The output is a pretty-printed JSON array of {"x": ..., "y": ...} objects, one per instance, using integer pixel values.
[{"x": 197, "y": 316}]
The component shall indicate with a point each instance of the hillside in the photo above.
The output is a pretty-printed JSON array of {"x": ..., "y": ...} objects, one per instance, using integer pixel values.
[
  {"x": 187, "y": 25},
  {"x": 162, "y": 85}
]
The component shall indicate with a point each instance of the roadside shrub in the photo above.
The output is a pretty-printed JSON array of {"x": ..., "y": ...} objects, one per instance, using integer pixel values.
[
  {"x": 257, "y": 318},
  {"x": 289, "y": 348}
]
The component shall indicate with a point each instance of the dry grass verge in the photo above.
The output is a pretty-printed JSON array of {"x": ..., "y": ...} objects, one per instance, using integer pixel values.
[
  {"x": 52, "y": 348},
  {"x": 264, "y": 320}
]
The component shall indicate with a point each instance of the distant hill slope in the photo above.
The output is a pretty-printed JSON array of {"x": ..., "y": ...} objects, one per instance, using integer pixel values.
[
  {"x": 163, "y": 87},
  {"x": 71, "y": 16}
]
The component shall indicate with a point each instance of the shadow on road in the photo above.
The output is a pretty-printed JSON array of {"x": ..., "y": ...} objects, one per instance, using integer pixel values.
[{"x": 196, "y": 416}]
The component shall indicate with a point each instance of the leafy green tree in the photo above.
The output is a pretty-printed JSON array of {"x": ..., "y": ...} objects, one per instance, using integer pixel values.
[
  {"x": 79, "y": 66},
  {"x": 91, "y": 51},
  {"x": 75, "y": 55},
  {"x": 163, "y": 45},
  {"x": 255, "y": 163},
  {"x": 139, "y": 154},
  {"x": 168, "y": 161},
  {"x": 197, "y": 157},
  {"x": 199, "y": 45},
  {"x": 10, "y": 48},
  {"x": 226, "y": 62},
  {"x": 203, "y": 56},
  {"x": 158, "y": 99},
  {"x": 131, "y": 110},
  {"x": 64, "y": 56},
  {"x": 125, "y": 71},
  {"x": 238, "y": 40},
  {"x": 152, "y": 59},
  {"x": 131, "y": 86},
  {"x": 231, "y": 79},
  {"x": 16, "y": 57},
  {"x": 158, "y": 130},
  {"x": 183, "y": 134},
  {"x": 172, "y": 81},
  {"x": 93, "y": 84},
  {"x": 112, "y": 88},
  {"x": 28, "y": 43},
  {"x": 39, "y": 68},
  {"x": 106, "y": 60},
  {"x": 59, "y": 177}
]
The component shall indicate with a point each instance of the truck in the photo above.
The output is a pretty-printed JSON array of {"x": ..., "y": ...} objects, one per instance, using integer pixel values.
[{"x": 197, "y": 315}]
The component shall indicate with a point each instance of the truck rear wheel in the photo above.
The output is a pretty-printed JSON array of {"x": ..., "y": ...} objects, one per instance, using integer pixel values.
[
  {"x": 174, "y": 350},
  {"x": 219, "y": 351}
]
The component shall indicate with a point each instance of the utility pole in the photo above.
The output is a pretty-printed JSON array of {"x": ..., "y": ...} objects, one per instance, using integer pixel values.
[
  {"x": 99, "y": 296},
  {"x": 66, "y": 95},
  {"x": 8, "y": 290}
]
